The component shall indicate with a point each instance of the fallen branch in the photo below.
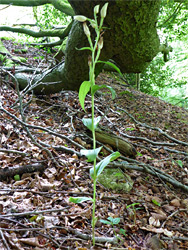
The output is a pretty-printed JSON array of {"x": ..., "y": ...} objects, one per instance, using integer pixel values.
[
  {"x": 19, "y": 170},
  {"x": 33, "y": 212},
  {"x": 153, "y": 128},
  {"x": 112, "y": 240},
  {"x": 155, "y": 172},
  {"x": 8, "y": 151}
]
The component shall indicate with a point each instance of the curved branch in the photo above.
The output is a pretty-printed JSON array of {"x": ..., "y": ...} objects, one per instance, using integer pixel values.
[
  {"x": 58, "y": 4},
  {"x": 52, "y": 33}
]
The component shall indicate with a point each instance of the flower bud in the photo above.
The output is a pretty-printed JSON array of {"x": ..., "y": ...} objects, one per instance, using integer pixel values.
[
  {"x": 86, "y": 29},
  {"x": 100, "y": 43},
  {"x": 93, "y": 23},
  {"x": 96, "y": 9},
  {"x": 80, "y": 18},
  {"x": 104, "y": 10}
]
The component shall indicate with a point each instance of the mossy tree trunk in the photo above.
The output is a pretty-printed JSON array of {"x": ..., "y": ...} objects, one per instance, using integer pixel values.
[{"x": 130, "y": 39}]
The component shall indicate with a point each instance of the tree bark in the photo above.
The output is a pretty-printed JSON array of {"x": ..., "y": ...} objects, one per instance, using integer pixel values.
[
  {"x": 58, "y": 4},
  {"x": 130, "y": 39}
]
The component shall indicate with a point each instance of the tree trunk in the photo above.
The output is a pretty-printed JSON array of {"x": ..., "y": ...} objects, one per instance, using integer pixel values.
[{"x": 130, "y": 39}]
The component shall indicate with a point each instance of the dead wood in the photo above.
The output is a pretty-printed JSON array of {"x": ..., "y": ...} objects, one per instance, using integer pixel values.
[
  {"x": 118, "y": 143},
  {"x": 12, "y": 171}
]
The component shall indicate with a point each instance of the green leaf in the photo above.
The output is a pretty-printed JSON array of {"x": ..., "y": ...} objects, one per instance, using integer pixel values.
[
  {"x": 17, "y": 177},
  {"x": 115, "y": 221},
  {"x": 156, "y": 202},
  {"x": 122, "y": 231},
  {"x": 102, "y": 164},
  {"x": 111, "y": 221},
  {"x": 33, "y": 218},
  {"x": 133, "y": 204},
  {"x": 112, "y": 65},
  {"x": 84, "y": 89},
  {"x": 88, "y": 122},
  {"x": 106, "y": 222},
  {"x": 84, "y": 48},
  {"x": 180, "y": 163},
  {"x": 96, "y": 87},
  {"x": 79, "y": 199},
  {"x": 139, "y": 154},
  {"x": 91, "y": 154}
]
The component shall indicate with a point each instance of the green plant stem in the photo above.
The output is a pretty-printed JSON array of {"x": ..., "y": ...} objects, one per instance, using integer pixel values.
[
  {"x": 95, "y": 56},
  {"x": 94, "y": 204},
  {"x": 95, "y": 178},
  {"x": 92, "y": 79}
]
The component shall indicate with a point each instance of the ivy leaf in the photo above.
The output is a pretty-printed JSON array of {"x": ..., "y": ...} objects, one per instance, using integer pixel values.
[
  {"x": 84, "y": 89},
  {"x": 102, "y": 164},
  {"x": 96, "y": 87},
  {"x": 112, "y": 65},
  {"x": 88, "y": 122},
  {"x": 91, "y": 154},
  {"x": 79, "y": 199}
]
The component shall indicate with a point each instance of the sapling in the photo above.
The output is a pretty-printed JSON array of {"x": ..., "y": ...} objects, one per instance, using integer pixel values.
[{"x": 95, "y": 48}]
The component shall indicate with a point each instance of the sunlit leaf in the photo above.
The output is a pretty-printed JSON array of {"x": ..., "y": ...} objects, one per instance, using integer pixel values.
[
  {"x": 79, "y": 199},
  {"x": 88, "y": 122},
  {"x": 84, "y": 89},
  {"x": 156, "y": 202},
  {"x": 17, "y": 177},
  {"x": 102, "y": 164},
  {"x": 91, "y": 154}
]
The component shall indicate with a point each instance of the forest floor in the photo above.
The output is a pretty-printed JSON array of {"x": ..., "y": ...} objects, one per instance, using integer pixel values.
[{"x": 35, "y": 212}]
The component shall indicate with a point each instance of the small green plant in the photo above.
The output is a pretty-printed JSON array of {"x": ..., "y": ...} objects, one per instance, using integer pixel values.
[
  {"x": 132, "y": 209},
  {"x": 130, "y": 129},
  {"x": 178, "y": 162},
  {"x": 156, "y": 202},
  {"x": 139, "y": 154},
  {"x": 85, "y": 88},
  {"x": 114, "y": 221},
  {"x": 111, "y": 221},
  {"x": 17, "y": 177}
]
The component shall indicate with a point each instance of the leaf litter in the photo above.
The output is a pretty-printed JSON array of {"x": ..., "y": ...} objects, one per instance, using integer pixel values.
[{"x": 35, "y": 212}]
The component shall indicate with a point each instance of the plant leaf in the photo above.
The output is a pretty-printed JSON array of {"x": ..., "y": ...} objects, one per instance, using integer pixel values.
[
  {"x": 156, "y": 202},
  {"x": 79, "y": 199},
  {"x": 115, "y": 221},
  {"x": 84, "y": 89},
  {"x": 88, "y": 122},
  {"x": 112, "y": 65},
  {"x": 91, "y": 154},
  {"x": 84, "y": 48},
  {"x": 132, "y": 205},
  {"x": 122, "y": 231},
  {"x": 96, "y": 87},
  {"x": 106, "y": 222},
  {"x": 180, "y": 163},
  {"x": 102, "y": 164}
]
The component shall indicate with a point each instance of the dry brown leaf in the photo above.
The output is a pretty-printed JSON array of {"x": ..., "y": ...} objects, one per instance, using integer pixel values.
[{"x": 175, "y": 203}]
